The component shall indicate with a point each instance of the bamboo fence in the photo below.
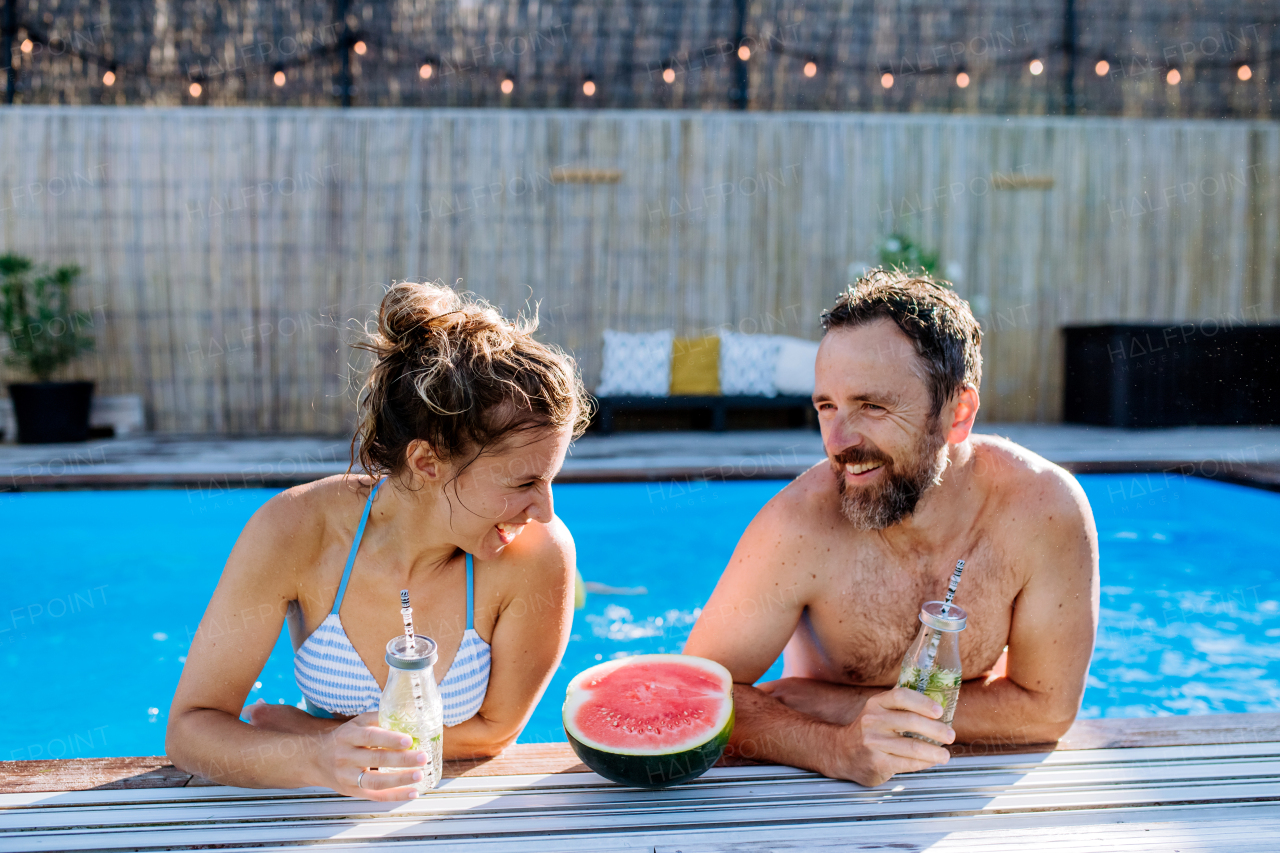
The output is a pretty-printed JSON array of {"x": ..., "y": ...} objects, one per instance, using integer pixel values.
[{"x": 230, "y": 254}]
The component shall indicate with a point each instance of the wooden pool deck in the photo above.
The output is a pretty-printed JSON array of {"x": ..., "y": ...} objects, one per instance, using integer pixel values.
[
  {"x": 1186, "y": 784},
  {"x": 211, "y": 464}
]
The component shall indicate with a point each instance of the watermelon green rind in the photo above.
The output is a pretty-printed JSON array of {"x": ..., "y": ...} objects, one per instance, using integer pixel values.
[
  {"x": 652, "y": 767},
  {"x": 655, "y": 771}
]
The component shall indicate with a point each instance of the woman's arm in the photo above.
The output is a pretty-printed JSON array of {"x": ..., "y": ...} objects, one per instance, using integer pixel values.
[
  {"x": 234, "y": 640},
  {"x": 529, "y": 637}
]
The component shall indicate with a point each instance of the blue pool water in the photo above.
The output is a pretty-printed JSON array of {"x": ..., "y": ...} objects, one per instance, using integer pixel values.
[{"x": 101, "y": 592}]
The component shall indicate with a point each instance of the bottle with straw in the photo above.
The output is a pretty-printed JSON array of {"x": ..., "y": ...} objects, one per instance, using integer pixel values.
[
  {"x": 411, "y": 700},
  {"x": 932, "y": 664}
]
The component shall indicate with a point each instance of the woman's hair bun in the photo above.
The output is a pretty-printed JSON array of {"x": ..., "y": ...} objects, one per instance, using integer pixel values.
[{"x": 451, "y": 370}]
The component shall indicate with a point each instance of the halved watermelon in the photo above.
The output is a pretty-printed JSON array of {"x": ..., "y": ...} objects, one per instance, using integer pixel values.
[{"x": 650, "y": 721}]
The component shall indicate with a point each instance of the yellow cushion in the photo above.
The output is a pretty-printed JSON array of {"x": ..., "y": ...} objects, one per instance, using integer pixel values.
[{"x": 695, "y": 366}]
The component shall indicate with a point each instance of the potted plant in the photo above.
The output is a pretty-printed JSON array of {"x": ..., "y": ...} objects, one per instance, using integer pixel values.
[
  {"x": 898, "y": 251},
  {"x": 44, "y": 335}
]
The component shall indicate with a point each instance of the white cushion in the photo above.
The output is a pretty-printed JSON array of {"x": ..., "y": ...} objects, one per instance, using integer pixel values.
[
  {"x": 637, "y": 364},
  {"x": 796, "y": 359},
  {"x": 747, "y": 364}
]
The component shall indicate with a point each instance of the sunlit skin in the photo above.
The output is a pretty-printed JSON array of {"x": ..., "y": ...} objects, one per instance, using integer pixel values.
[
  {"x": 843, "y": 601},
  {"x": 420, "y": 528}
]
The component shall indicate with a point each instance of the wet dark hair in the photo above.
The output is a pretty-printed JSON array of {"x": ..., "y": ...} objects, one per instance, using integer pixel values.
[
  {"x": 451, "y": 371},
  {"x": 939, "y": 323}
]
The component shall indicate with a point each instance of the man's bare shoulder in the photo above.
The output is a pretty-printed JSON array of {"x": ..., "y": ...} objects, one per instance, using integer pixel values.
[
  {"x": 1028, "y": 489},
  {"x": 807, "y": 506}
]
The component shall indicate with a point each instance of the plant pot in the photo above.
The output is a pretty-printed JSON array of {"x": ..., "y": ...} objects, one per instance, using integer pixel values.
[{"x": 49, "y": 412}]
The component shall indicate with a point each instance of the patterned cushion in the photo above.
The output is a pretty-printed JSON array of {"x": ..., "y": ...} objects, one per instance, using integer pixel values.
[
  {"x": 695, "y": 366},
  {"x": 637, "y": 364},
  {"x": 748, "y": 364},
  {"x": 796, "y": 358}
]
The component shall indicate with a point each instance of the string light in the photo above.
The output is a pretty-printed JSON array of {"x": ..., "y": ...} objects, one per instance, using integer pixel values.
[
  {"x": 588, "y": 87},
  {"x": 810, "y": 68},
  {"x": 426, "y": 71},
  {"x": 360, "y": 48},
  {"x": 1173, "y": 78},
  {"x": 279, "y": 78},
  {"x": 668, "y": 75},
  {"x": 27, "y": 46},
  {"x": 109, "y": 79},
  {"x": 507, "y": 85},
  {"x": 962, "y": 80},
  {"x": 1244, "y": 72},
  {"x": 1102, "y": 68},
  {"x": 1036, "y": 67},
  {"x": 195, "y": 89},
  {"x": 744, "y": 53},
  {"x": 886, "y": 80}
]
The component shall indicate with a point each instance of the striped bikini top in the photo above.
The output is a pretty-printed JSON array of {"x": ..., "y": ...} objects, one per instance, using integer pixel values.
[{"x": 334, "y": 679}]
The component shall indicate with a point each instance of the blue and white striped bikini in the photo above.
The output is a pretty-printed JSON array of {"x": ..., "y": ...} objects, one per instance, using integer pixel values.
[{"x": 334, "y": 679}]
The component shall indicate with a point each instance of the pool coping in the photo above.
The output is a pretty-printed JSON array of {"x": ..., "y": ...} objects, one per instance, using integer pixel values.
[
  {"x": 1262, "y": 475},
  {"x": 142, "y": 772}
]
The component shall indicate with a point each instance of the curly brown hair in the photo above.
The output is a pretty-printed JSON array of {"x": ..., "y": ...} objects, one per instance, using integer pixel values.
[
  {"x": 939, "y": 323},
  {"x": 453, "y": 372}
]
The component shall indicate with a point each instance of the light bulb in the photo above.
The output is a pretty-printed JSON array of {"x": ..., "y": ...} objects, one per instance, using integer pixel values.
[
  {"x": 668, "y": 75},
  {"x": 886, "y": 80},
  {"x": 1102, "y": 68},
  {"x": 195, "y": 89},
  {"x": 426, "y": 71},
  {"x": 1036, "y": 67},
  {"x": 279, "y": 78},
  {"x": 810, "y": 68},
  {"x": 962, "y": 80}
]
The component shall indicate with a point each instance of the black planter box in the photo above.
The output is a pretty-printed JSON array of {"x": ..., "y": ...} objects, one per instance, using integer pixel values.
[
  {"x": 1172, "y": 374},
  {"x": 51, "y": 412}
]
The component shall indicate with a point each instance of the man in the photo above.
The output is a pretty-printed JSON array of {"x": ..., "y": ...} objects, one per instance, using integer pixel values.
[{"x": 836, "y": 566}]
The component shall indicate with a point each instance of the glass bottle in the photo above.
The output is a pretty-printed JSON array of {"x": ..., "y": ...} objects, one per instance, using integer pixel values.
[
  {"x": 932, "y": 664},
  {"x": 411, "y": 703}
]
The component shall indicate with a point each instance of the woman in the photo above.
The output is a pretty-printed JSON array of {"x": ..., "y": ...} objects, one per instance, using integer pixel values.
[{"x": 464, "y": 421}]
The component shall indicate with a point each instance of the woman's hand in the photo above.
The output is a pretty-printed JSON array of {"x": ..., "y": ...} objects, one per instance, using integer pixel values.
[{"x": 359, "y": 745}]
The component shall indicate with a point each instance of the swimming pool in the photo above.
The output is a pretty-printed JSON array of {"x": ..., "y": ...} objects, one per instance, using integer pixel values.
[{"x": 102, "y": 592}]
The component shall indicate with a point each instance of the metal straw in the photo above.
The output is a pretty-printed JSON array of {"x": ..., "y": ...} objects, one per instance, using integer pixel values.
[
  {"x": 411, "y": 649},
  {"x": 931, "y": 653}
]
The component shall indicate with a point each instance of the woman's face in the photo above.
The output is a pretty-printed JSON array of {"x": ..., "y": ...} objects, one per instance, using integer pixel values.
[{"x": 498, "y": 494}]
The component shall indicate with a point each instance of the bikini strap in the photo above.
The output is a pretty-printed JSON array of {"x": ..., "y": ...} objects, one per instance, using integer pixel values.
[
  {"x": 470, "y": 594},
  {"x": 355, "y": 546}
]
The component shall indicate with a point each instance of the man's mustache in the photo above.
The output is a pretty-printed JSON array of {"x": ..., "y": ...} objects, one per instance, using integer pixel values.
[{"x": 858, "y": 455}]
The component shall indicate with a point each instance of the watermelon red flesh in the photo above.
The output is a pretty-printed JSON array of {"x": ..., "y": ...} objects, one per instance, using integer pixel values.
[{"x": 652, "y": 704}]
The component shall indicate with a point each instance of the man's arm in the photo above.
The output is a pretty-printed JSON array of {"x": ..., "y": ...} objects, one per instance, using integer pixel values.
[
  {"x": 745, "y": 626},
  {"x": 1055, "y": 617}
]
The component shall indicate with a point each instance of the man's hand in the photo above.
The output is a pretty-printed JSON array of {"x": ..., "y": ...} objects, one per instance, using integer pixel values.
[{"x": 871, "y": 750}]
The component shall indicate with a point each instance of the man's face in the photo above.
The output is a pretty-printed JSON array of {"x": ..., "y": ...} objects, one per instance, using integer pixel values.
[{"x": 873, "y": 406}]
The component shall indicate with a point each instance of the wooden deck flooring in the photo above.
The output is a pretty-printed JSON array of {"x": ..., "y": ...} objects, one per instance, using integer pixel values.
[{"x": 1174, "y": 783}]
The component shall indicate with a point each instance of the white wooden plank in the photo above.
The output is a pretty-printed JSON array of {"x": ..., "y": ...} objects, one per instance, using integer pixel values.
[{"x": 741, "y": 802}]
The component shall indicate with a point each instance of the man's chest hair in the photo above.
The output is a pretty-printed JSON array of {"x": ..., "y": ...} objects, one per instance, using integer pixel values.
[{"x": 866, "y": 612}]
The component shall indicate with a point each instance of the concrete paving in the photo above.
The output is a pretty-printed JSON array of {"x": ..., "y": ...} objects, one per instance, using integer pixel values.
[{"x": 151, "y": 459}]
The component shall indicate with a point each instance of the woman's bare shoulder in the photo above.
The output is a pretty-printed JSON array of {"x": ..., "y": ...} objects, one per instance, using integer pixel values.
[{"x": 298, "y": 524}]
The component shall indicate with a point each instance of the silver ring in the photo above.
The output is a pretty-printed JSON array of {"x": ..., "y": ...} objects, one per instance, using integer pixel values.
[{"x": 360, "y": 779}]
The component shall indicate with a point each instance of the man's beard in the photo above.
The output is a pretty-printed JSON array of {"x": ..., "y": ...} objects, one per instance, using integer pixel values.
[{"x": 895, "y": 497}]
